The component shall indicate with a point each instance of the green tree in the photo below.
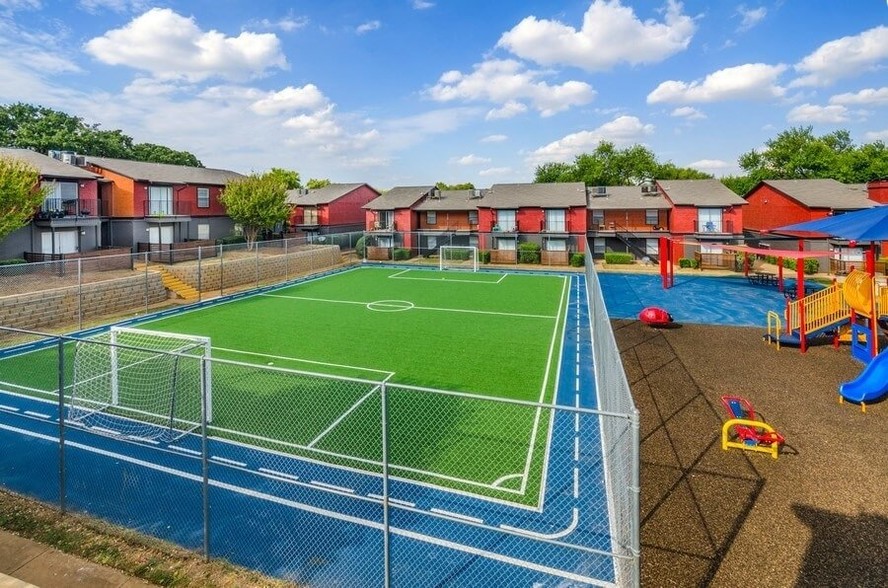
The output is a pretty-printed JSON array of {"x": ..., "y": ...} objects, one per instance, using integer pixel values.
[
  {"x": 317, "y": 184},
  {"x": 464, "y": 186},
  {"x": 20, "y": 194},
  {"x": 669, "y": 171},
  {"x": 160, "y": 154},
  {"x": 256, "y": 202},
  {"x": 552, "y": 172},
  {"x": 289, "y": 177}
]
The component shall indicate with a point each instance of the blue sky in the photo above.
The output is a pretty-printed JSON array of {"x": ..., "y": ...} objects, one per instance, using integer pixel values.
[{"x": 402, "y": 92}]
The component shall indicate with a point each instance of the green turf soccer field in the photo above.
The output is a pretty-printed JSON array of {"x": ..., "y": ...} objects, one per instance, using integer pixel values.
[{"x": 491, "y": 335}]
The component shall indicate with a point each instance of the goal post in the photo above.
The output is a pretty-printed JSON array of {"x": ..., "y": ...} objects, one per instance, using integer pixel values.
[
  {"x": 141, "y": 383},
  {"x": 458, "y": 257}
]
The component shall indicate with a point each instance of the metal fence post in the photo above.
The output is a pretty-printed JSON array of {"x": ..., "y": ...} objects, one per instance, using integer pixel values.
[
  {"x": 635, "y": 495},
  {"x": 221, "y": 271},
  {"x": 146, "y": 283},
  {"x": 256, "y": 245},
  {"x": 79, "y": 294},
  {"x": 386, "y": 561},
  {"x": 204, "y": 453},
  {"x": 199, "y": 272},
  {"x": 61, "y": 374},
  {"x": 286, "y": 263}
]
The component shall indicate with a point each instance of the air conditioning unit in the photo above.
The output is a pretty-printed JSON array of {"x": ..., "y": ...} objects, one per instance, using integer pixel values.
[
  {"x": 599, "y": 191},
  {"x": 80, "y": 160},
  {"x": 69, "y": 157}
]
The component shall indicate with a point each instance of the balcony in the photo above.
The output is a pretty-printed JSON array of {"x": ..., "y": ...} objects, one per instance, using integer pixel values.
[
  {"x": 555, "y": 227},
  {"x": 166, "y": 208},
  {"x": 714, "y": 227},
  {"x": 504, "y": 228},
  {"x": 384, "y": 227},
  {"x": 56, "y": 212}
]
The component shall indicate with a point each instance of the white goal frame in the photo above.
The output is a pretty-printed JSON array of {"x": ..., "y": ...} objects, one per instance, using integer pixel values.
[
  {"x": 442, "y": 257},
  {"x": 206, "y": 382}
]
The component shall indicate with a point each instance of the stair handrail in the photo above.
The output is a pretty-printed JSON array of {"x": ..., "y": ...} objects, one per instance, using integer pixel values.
[
  {"x": 821, "y": 309},
  {"x": 618, "y": 229}
]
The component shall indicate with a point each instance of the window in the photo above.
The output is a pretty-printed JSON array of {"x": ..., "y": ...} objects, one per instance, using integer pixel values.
[
  {"x": 556, "y": 245},
  {"x": 473, "y": 217},
  {"x": 431, "y": 217},
  {"x": 652, "y": 217},
  {"x": 57, "y": 194},
  {"x": 160, "y": 200},
  {"x": 599, "y": 245},
  {"x": 384, "y": 242},
  {"x": 505, "y": 244},
  {"x": 310, "y": 215},
  {"x": 203, "y": 197},
  {"x": 432, "y": 243},
  {"x": 386, "y": 219},
  {"x": 473, "y": 240},
  {"x": 652, "y": 246},
  {"x": 709, "y": 220},
  {"x": 58, "y": 242},
  {"x": 505, "y": 220},
  {"x": 704, "y": 248},
  {"x": 203, "y": 231},
  {"x": 555, "y": 222},
  {"x": 597, "y": 218}
]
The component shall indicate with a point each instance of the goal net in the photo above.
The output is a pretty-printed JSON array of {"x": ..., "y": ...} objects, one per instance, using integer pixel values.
[
  {"x": 138, "y": 383},
  {"x": 457, "y": 257}
]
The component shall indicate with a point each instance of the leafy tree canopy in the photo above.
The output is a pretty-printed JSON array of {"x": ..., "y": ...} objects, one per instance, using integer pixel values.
[
  {"x": 288, "y": 177},
  {"x": 609, "y": 166},
  {"x": 27, "y": 126},
  {"x": 464, "y": 186},
  {"x": 20, "y": 194},
  {"x": 316, "y": 184},
  {"x": 256, "y": 202}
]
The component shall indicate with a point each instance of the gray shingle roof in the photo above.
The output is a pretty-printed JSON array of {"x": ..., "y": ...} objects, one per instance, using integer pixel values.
[
  {"x": 627, "y": 198},
  {"x": 398, "y": 197},
  {"x": 324, "y": 195},
  {"x": 825, "y": 193},
  {"x": 452, "y": 200},
  {"x": 699, "y": 193},
  {"x": 561, "y": 195},
  {"x": 47, "y": 166},
  {"x": 164, "y": 173}
]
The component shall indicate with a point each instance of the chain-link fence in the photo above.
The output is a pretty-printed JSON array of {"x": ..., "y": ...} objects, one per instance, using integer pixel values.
[
  {"x": 77, "y": 293},
  {"x": 325, "y": 480}
]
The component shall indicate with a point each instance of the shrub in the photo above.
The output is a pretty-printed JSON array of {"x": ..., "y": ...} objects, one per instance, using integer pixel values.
[
  {"x": 232, "y": 240},
  {"x": 612, "y": 257},
  {"x": 360, "y": 246},
  {"x": 400, "y": 254},
  {"x": 484, "y": 256},
  {"x": 812, "y": 266},
  {"x": 13, "y": 261},
  {"x": 687, "y": 262},
  {"x": 577, "y": 259},
  {"x": 528, "y": 253}
]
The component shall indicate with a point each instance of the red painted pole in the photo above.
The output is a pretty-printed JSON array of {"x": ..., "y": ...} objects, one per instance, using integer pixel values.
[{"x": 780, "y": 274}]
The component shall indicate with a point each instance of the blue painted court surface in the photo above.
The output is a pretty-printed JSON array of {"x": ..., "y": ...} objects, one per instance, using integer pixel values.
[{"x": 694, "y": 299}]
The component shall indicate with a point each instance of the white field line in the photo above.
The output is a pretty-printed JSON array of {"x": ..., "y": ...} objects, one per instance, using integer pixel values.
[
  {"x": 54, "y": 392},
  {"x": 324, "y": 512},
  {"x": 400, "y": 273},
  {"x": 431, "y": 308},
  {"x": 536, "y": 422},
  {"x": 297, "y": 360},
  {"x": 342, "y": 416},
  {"x": 445, "y": 279},
  {"x": 456, "y": 515},
  {"x": 557, "y": 535}
]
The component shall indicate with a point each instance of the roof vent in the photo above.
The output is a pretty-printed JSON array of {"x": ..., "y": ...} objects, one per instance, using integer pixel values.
[{"x": 599, "y": 191}]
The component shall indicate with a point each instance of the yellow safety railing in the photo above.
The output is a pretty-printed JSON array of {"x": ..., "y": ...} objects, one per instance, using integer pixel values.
[
  {"x": 774, "y": 328},
  {"x": 771, "y": 448},
  {"x": 821, "y": 309},
  {"x": 882, "y": 301}
]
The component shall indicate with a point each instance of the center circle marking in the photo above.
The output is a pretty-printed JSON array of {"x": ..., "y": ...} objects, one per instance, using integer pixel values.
[{"x": 390, "y": 305}]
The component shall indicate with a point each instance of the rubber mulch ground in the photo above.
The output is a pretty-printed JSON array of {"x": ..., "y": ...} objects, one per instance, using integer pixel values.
[{"x": 817, "y": 516}]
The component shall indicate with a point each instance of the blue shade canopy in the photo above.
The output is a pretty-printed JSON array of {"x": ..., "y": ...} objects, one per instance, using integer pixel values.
[{"x": 869, "y": 224}]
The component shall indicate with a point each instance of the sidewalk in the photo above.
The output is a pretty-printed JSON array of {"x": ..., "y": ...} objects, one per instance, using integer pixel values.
[{"x": 26, "y": 564}]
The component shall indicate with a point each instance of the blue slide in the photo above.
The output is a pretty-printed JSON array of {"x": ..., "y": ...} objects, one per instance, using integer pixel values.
[{"x": 871, "y": 384}]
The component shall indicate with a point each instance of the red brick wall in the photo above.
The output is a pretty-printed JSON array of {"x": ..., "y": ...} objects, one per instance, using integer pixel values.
[
  {"x": 769, "y": 208},
  {"x": 878, "y": 191},
  {"x": 347, "y": 210}
]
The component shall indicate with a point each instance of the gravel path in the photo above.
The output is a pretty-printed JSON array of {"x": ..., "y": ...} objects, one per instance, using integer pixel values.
[{"x": 817, "y": 516}]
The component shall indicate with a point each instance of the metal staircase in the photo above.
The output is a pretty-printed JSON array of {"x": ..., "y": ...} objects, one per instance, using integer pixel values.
[{"x": 626, "y": 236}]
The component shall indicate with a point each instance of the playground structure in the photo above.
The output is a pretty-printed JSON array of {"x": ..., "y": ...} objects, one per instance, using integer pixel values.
[
  {"x": 654, "y": 316},
  {"x": 746, "y": 430},
  {"x": 871, "y": 384}
]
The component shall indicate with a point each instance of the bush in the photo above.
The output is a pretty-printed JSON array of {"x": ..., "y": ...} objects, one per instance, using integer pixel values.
[
  {"x": 459, "y": 254},
  {"x": 577, "y": 259},
  {"x": 612, "y": 257},
  {"x": 360, "y": 246},
  {"x": 484, "y": 256},
  {"x": 812, "y": 266},
  {"x": 231, "y": 240},
  {"x": 528, "y": 253},
  {"x": 400, "y": 254},
  {"x": 687, "y": 262},
  {"x": 13, "y": 261}
]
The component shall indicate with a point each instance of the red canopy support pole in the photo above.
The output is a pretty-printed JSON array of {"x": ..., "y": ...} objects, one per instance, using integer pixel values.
[
  {"x": 803, "y": 337},
  {"x": 780, "y": 274},
  {"x": 664, "y": 260},
  {"x": 800, "y": 278},
  {"x": 746, "y": 264},
  {"x": 871, "y": 260}
]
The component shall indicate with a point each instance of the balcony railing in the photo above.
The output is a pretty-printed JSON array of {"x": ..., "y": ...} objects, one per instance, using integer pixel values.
[
  {"x": 716, "y": 227},
  {"x": 58, "y": 208},
  {"x": 506, "y": 228},
  {"x": 166, "y": 207},
  {"x": 555, "y": 227}
]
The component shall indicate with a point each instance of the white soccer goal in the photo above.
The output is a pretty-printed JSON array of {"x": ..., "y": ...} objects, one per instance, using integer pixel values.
[
  {"x": 458, "y": 257},
  {"x": 138, "y": 383}
]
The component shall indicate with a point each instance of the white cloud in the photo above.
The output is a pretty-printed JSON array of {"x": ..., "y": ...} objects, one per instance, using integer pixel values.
[
  {"x": 495, "y": 171},
  {"x": 97, "y": 6},
  {"x": 502, "y": 81},
  {"x": 508, "y": 110},
  {"x": 288, "y": 24},
  {"x": 173, "y": 47},
  {"x": 610, "y": 34},
  {"x": 308, "y": 97},
  {"x": 149, "y": 87},
  {"x": 623, "y": 130},
  {"x": 876, "y": 136},
  {"x": 368, "y": 26},
  {"x": 750, "y": 16},
  {"x": 843, "y": 58},
  {"x": 470, "y": 159},
  {"x": 812, "y": 113},
  {"x": 422, "y": 4},
  {"x": 494, "y": 139},
  {"x": 867, "y": 97},
  {"x": 709, "y": 165},
  {"x": 13, "y": 5},
  {"x": 688, "y": 113},
  {"x": 748, "y": 81}
]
